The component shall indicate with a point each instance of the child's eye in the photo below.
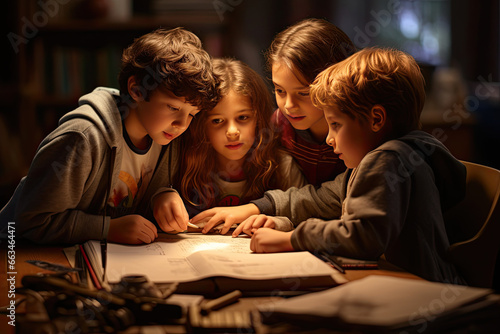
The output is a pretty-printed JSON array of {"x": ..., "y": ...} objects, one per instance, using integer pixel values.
[
  {"x": 173, "y": 108},
  {"x": 216, "y": 121},
  {"x": 304, "y": 93},
  {"x": 243, "y": 117},
  {"x": 279, "y": 91}
]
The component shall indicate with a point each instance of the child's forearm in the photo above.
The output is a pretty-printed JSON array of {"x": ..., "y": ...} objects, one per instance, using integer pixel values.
[{"x": 251, "y": 209}]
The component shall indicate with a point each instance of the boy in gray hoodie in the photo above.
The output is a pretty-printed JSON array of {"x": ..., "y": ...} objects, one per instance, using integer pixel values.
[
  {"x": 116, "y": 154},
  {"x": 399, "y": 180}
]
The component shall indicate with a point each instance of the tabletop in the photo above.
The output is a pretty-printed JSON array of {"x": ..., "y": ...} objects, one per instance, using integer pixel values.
[{"x": 13, "y": 259}]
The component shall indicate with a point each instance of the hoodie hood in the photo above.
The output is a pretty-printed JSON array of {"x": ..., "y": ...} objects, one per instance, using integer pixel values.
[
  {"x": 447, "y": 170},
  {"x": 103, "y": 113}
]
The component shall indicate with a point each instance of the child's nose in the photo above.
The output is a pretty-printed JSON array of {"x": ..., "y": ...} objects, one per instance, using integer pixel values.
[
  {"x": 290, "y": 102},
  {"x": 232, "y": 132},
  {"x": 182, "y": 122}
]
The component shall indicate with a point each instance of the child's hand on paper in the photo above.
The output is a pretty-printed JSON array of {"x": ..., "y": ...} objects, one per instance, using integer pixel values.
[
  {"x": 228, "y": 215},
  {"x": 132, "y": 229},
  {"x": 252, "y": 223},
  {"x": 266, "y": 240},
  {"x": 170, "y": 212}
]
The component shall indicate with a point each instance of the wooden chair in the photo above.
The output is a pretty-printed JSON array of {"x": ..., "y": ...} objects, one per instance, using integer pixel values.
[{"x": 473, "y": 227}]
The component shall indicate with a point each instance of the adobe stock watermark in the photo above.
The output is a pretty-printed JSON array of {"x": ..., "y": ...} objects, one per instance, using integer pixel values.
[
  {"x": 223, "y": 6},
  {"x": 422, "y": 318},
  {"x": 372, "y": 28},
  {"x": 31, "y": 26},
  {"x": 460, "y": 111},
  {"x": 11, "y": 273},
  {"x": 454, "y": 117}
]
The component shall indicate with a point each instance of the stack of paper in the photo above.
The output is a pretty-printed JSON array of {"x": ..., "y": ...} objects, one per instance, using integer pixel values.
[{"x": 381, "y": 303}]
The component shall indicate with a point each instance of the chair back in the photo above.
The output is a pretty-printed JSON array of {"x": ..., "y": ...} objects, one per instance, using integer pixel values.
[{"x": 473, "y": 227}]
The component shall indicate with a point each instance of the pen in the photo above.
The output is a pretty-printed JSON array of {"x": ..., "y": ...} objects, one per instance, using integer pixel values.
[
  {"x": 221, "y": 302},
  {"x": 82, "y": 274},
  {"x": 104, "y": 257},
  {"x": 331, "y": 261},
  {"x": 361, "y": 266},
  {"x": 104, "y": 241}
]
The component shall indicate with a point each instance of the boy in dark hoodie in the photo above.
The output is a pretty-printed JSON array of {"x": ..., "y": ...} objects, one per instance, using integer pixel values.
[
  {"x": 399, "y": 180},
  {"x": 118, "y": 151}
]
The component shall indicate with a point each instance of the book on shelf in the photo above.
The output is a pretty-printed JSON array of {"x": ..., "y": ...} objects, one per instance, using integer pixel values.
[
  {"x": 388, "y": 304},
  {"x": 68, "y": 72},
  {"x": 201, "y": 262}
]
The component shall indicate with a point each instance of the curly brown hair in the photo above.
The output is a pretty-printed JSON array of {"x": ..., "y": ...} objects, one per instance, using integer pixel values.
[
  {"x": 198, "y": 185},
  {"x": 173, "y": 60}
]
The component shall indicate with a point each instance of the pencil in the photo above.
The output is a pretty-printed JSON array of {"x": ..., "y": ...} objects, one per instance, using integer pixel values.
[
  {"x": 334, "y": 263},
  {"x": 193, "y": 225},
  {"x": 93, "y": 276}
]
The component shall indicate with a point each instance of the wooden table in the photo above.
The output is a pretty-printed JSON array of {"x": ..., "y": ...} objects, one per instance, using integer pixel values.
[{"x": 24, "y": 251}]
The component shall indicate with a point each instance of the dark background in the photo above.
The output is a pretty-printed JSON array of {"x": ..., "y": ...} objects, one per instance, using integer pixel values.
[{"x": 57, "y": 50}]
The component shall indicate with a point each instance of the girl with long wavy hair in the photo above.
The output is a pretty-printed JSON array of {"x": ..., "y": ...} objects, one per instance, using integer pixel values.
[{"x": 232, "y": 153}]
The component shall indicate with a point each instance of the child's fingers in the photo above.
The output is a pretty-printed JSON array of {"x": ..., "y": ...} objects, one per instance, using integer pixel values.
[
  {"x": 215, "y": 220},
  {"x": 249, "y": 224},
  {"x": 152, "y": 228},
  {"x": 146, "y": 236},
  {"x": 179, "y": 217},
  {"x": 260, "y": 221},
  {"x": 237, "y": 231},
  {"x": 203, "y": 216},
  {"x": 269, "y": 223},
  {"x": 161, "y": 220},
  {"x": 227, "y": 224},
  {"x": 254, "y": 244},
  {"x": 163, "y": 223},
  {"x": 168, "y": 223},
  {"x": 177, "y": 223}
]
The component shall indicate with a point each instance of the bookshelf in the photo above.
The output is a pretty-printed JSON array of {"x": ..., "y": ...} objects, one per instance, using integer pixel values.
[
  {"x": 70, "y": 54},
  {"x": 60, "y": 53}
]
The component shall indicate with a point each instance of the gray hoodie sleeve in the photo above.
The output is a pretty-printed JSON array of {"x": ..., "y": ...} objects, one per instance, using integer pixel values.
[
  {"x": 306, "y": 202},
  {"x": 374, "y": 213},
  {"x": 48, "y": 203}
]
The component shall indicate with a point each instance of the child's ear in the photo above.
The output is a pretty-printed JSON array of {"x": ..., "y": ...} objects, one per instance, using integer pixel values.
[
  {"x": 134, "y": 89},
  {"x": 378, "y": 117}
]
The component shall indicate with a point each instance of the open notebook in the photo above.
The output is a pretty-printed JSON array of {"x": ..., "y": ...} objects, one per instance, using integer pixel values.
[{"x": 218, "y": 259}]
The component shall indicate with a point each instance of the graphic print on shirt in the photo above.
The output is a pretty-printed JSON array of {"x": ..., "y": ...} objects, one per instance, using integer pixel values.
[
  {"x": 128, "y": 188},
  {"x": 136, "y": 171},
  {"x": 229, "y": 200}
]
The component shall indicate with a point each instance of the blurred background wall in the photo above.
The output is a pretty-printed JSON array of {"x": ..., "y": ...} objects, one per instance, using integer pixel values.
[{"x": 58, "y": 50}]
